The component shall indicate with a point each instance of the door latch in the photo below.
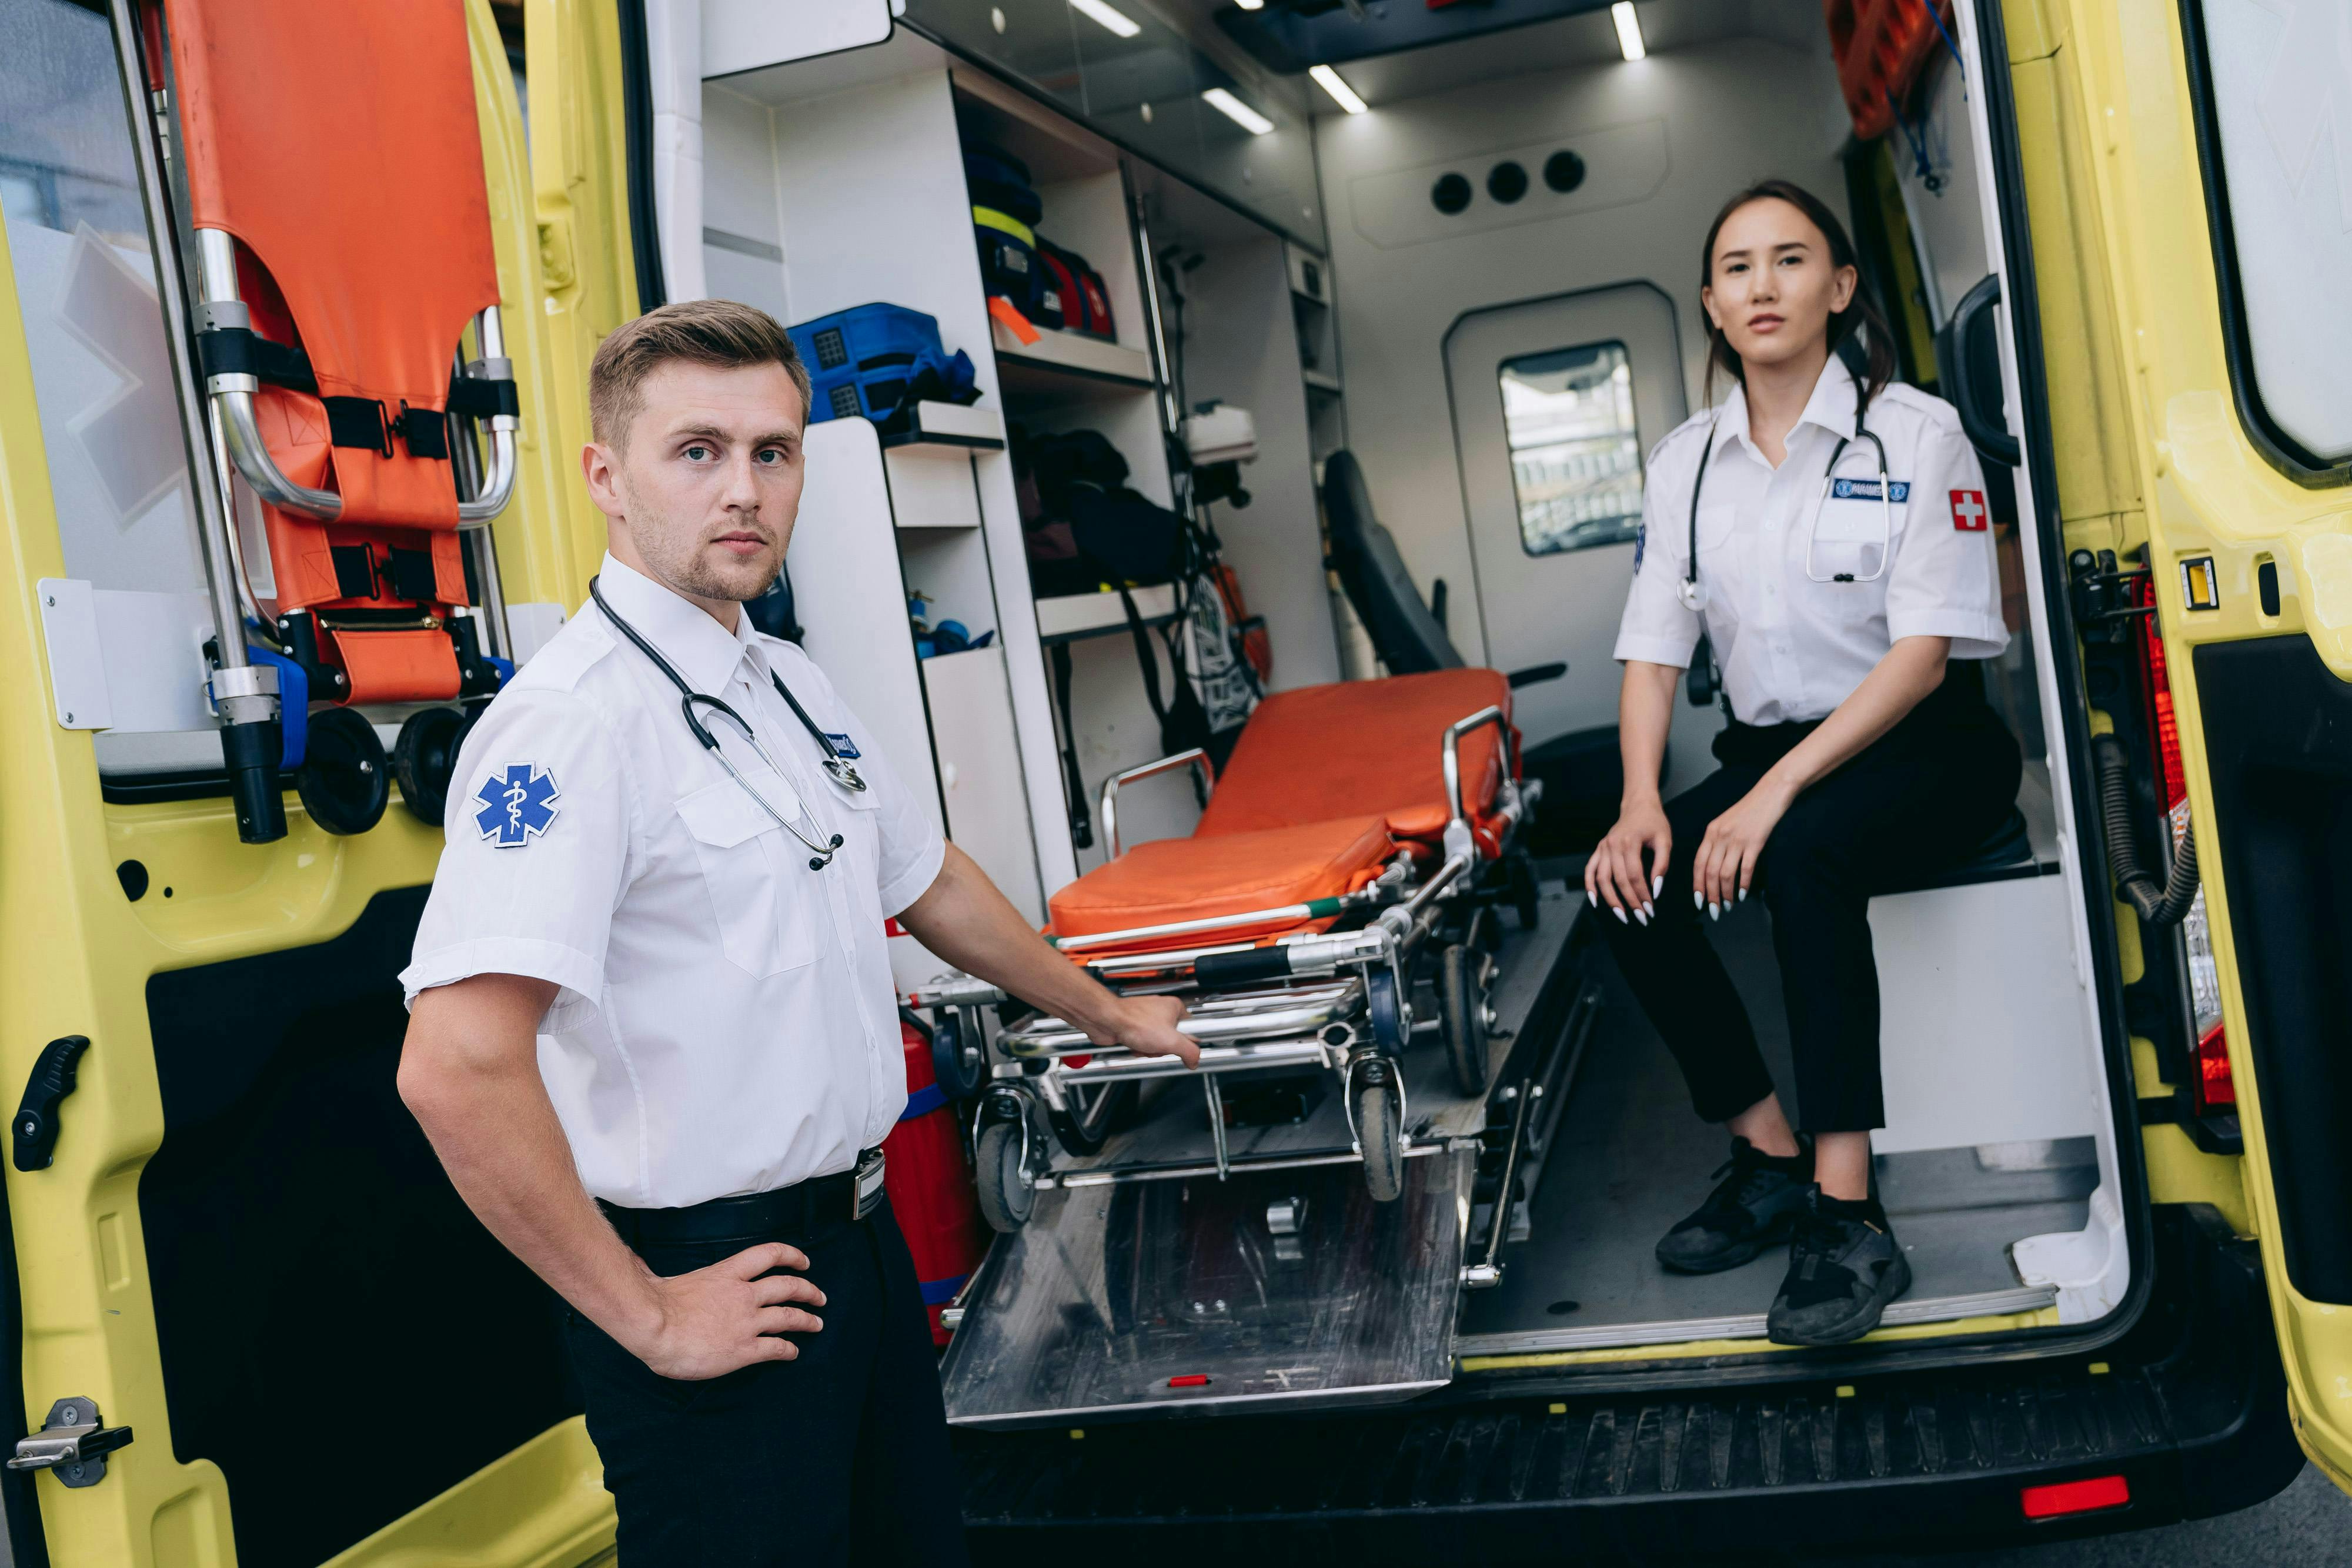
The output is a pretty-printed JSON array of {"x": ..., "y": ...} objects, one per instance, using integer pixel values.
[
  {"x": 35, "y": 1133},
  {"x": 72, "y": 1443}
]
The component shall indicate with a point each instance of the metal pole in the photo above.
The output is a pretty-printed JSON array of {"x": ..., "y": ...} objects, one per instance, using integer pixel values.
[{"x": 245, "y": 695}]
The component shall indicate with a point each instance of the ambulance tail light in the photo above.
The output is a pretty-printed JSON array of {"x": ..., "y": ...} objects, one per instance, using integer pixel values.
[
  {"x": 2212, "y": 1087},
  {"x": 2093, "y": 1496}
]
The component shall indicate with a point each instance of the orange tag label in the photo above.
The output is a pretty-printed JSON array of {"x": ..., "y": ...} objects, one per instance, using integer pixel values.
[{"x": 1005, "y": 311}]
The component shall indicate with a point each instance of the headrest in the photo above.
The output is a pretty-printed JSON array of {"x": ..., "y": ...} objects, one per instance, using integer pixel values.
[{"x": 1407, "y": 637}]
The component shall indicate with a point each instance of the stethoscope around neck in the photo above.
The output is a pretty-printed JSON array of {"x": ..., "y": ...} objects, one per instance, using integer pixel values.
[
  {"x": 693, "y": 705},
  {"x": 1693, "y": 594}
]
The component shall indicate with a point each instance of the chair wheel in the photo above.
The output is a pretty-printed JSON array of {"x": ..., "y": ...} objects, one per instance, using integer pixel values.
[
  {"x": 424, "y": 757},
  {"x": 958, "y": 1068},
  {"x": 345, "y": 781}
]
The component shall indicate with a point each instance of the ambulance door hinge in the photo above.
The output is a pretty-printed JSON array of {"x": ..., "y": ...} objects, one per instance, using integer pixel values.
[
  {"x": 36, "y": 1136},
  {"x": 72, "y": 1443}
]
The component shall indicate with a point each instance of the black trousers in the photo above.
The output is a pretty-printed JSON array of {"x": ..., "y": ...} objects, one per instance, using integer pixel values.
[
  {"x": 1924, "y": 796},
  {"x": 838, "y": 1457}
]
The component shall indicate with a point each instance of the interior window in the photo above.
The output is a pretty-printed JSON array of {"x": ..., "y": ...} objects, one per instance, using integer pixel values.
[
  {"x": 1576, "y": 454},
  {"x": 86, "y": 288},
  {"x": 2277, "y": 161}
]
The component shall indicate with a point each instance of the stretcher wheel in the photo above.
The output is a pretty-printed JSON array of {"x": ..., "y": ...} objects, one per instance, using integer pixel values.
[
  {"x": 1379, "y": 1131},
  {"x": 1005, "y": 1200},
  {"x": 1527, "y": 897},
  {"x": 1094, "y": 1109},
  {"x": 959, "y": 1066},
  {"x": 425, "y": 759},
  {"x": 1384, "y": 1008},
  {"x": 1462, "y": 1015},
  {"x": 345, "y": 779}
]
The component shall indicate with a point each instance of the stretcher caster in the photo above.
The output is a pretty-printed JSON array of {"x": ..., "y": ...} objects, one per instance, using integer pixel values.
[
  {"x": 345, "y": 781},
  {"x": 958, "y": 1064},
  {"x": 425, "y": 759},
  {"x": 1384, "y": 1008},
  {"x": 1461, "y": 1015},
  {"x": 1094, "y": 1111},
  {"x": 1376, "y": 1113},
  {"x": 1003, "y": 1168}
]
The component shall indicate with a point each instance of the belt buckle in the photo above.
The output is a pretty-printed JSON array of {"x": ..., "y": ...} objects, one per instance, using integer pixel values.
[{"x": 866, "y": 1190}]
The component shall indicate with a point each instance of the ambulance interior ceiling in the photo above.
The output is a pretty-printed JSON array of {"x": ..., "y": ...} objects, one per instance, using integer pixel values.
[{"x": 2000, "y": 1153}]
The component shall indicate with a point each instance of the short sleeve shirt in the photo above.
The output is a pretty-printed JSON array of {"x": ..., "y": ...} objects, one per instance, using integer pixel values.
[
  {"x": 726, "y": 1021},
  {"x": 1794, "y": 641}
]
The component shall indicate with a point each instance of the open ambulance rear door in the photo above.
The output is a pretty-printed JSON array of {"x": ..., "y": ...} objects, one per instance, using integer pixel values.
[{"x": 2213, "y": 139}]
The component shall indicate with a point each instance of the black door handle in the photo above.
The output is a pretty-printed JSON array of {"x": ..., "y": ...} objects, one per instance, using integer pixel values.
[{"x": 36, "y": 1141}]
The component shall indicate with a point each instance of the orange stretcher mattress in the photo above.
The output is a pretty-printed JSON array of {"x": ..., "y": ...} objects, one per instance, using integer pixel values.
[
  {"x": 1171, "y": 880},
  {"x": 1361, "y": 748}
]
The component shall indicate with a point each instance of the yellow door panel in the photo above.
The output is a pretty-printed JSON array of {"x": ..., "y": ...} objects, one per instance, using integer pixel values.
[
  {"x": 78, "y": 956},
  {"x": 2130, "y": 78}
]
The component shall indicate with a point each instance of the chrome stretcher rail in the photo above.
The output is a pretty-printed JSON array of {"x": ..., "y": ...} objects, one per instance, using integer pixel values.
[{"x": 1252, "y": 1016}]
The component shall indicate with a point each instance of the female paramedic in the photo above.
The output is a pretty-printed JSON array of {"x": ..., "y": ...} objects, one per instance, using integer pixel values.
[{"x": 1824, "y": 533}]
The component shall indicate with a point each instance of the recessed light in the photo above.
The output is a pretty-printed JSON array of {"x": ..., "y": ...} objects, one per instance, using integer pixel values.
[
  {"x": 1232, "y": 109},
  {"x": 1341, "y": 93},
  {"x": 1117, "y": 21},
  {"x": 1250, "y": 5},
  {"x": 1628, "y": 28}
]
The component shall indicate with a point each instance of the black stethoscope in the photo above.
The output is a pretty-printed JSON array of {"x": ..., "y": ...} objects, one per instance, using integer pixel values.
[
  {"x": 1694, "y": 597},
  {"x": 837, "y": 765}
]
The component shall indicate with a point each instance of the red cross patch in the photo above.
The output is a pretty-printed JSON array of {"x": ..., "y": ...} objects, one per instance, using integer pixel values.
[{"x": 1969, "y": 514}]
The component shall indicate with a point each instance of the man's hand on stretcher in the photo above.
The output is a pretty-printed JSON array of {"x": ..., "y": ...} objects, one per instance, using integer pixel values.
[{"x": 965, "y": 920}]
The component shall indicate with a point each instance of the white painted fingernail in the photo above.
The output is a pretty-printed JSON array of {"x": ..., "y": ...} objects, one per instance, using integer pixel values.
[
  {"x": 1649, "y": 908},
  {"x": 1642, "y": 915},
  {"x": 1618, "y": 912},
  {"x": 1657, "y": 886},
  {"x": 1714, "y": 912},
  {"x": 1743, "y": 895},
  {"x": 1698, "y": 899}
]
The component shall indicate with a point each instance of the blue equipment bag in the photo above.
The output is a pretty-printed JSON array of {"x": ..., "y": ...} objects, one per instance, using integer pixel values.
[{"x": 879, "y": 361}]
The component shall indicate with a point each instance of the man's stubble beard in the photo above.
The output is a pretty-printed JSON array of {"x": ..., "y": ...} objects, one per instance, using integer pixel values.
[{"x": 679, "y": 563}]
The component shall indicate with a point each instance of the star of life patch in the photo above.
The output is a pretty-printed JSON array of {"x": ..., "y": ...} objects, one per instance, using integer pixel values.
[{"x": 518, "y": 804}]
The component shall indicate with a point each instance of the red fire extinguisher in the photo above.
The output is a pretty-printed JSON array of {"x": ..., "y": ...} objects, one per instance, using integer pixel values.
[{"x": 930, "y": 1184}]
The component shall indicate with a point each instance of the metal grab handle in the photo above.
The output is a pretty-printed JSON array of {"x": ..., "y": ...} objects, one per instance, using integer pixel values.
[
  {"x": 1453, "y": 734},
  {"x": 1108, "y": 813},
  {"x": 232, "y": 396}
]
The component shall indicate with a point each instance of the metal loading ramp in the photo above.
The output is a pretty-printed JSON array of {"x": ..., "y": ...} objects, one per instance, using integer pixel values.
[{"x": 1277, "y": 1289}]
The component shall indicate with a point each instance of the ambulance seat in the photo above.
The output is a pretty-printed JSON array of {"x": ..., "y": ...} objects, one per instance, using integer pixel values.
[{"x": 341, "y": 225}]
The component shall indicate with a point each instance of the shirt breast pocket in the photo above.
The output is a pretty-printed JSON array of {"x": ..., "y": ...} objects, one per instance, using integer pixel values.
[
  {"x": 1854, "y": 537},
  {"x": 755, "y": 872}
]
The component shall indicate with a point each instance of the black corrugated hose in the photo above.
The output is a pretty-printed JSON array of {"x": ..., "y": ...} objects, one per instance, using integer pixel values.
[{"x": 2156, "y": 906}]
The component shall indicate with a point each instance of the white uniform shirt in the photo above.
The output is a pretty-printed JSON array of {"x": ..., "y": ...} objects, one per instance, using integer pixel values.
[
  {"x": 727, "y": 1022},
  {"x": 1791, "y": 648}
]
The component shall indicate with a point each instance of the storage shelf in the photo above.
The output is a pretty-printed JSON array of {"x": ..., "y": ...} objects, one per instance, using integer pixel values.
[
  {"x": 1067, "y": 618},
  {"x": 1321, "y": 381},
  {"x": 1060, "y": 361},
  {"x": 963, "y": 428}
]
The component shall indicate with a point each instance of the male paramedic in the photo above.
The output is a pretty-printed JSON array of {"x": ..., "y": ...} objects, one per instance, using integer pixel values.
[{"x": 654, "y": 1036}]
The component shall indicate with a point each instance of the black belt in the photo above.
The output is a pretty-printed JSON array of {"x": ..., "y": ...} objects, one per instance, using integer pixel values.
[{"x": 819, "y": 1203}]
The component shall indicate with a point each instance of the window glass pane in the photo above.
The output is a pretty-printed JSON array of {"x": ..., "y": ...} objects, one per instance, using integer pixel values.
[
  {"x": 77, "y": 237},
  {"x": 2281, "y": 92},
  {"x": 1576, "y": 455}
]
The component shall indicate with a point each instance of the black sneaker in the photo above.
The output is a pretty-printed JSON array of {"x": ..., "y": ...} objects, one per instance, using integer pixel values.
[
  {"x": 1845, "y": 1266},
  {"x": 1754, "y": 1206}
]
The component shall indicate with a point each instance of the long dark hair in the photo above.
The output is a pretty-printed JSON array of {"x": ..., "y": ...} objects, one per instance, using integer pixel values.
[{"x": 1860, "y": 312}]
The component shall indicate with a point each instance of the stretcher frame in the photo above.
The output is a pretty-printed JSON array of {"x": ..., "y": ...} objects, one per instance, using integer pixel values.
[{"x": 1333, "y": 1000}]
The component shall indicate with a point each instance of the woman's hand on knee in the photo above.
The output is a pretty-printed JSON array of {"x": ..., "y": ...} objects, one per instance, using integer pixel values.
[
  {"x": 1615, "y": 875},
  {"x": 1725, "y": 862}
]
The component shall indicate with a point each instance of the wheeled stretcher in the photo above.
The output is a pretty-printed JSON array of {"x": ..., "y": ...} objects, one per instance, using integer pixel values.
[{"x": 1353, "y": 853}]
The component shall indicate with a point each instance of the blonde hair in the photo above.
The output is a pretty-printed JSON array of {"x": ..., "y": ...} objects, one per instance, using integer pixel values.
[{"x": 721, "y": 333}]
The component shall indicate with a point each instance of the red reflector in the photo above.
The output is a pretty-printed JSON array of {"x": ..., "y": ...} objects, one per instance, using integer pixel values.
[
  {"x": 2076, "y": 1497},
  {"x": 1190, "y": 1380},
  {"x": 2214, "y": 1084}
]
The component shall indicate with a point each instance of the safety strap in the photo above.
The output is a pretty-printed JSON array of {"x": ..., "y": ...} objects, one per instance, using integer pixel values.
[
  {"x": 355, "y": 422},
  {"x": 1082, "y": 821}
]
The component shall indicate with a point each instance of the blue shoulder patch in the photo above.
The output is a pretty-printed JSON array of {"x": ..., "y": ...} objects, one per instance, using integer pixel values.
[
  {"x": 516, "y": 804},
  {"x": 1641, "y": 544}
]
